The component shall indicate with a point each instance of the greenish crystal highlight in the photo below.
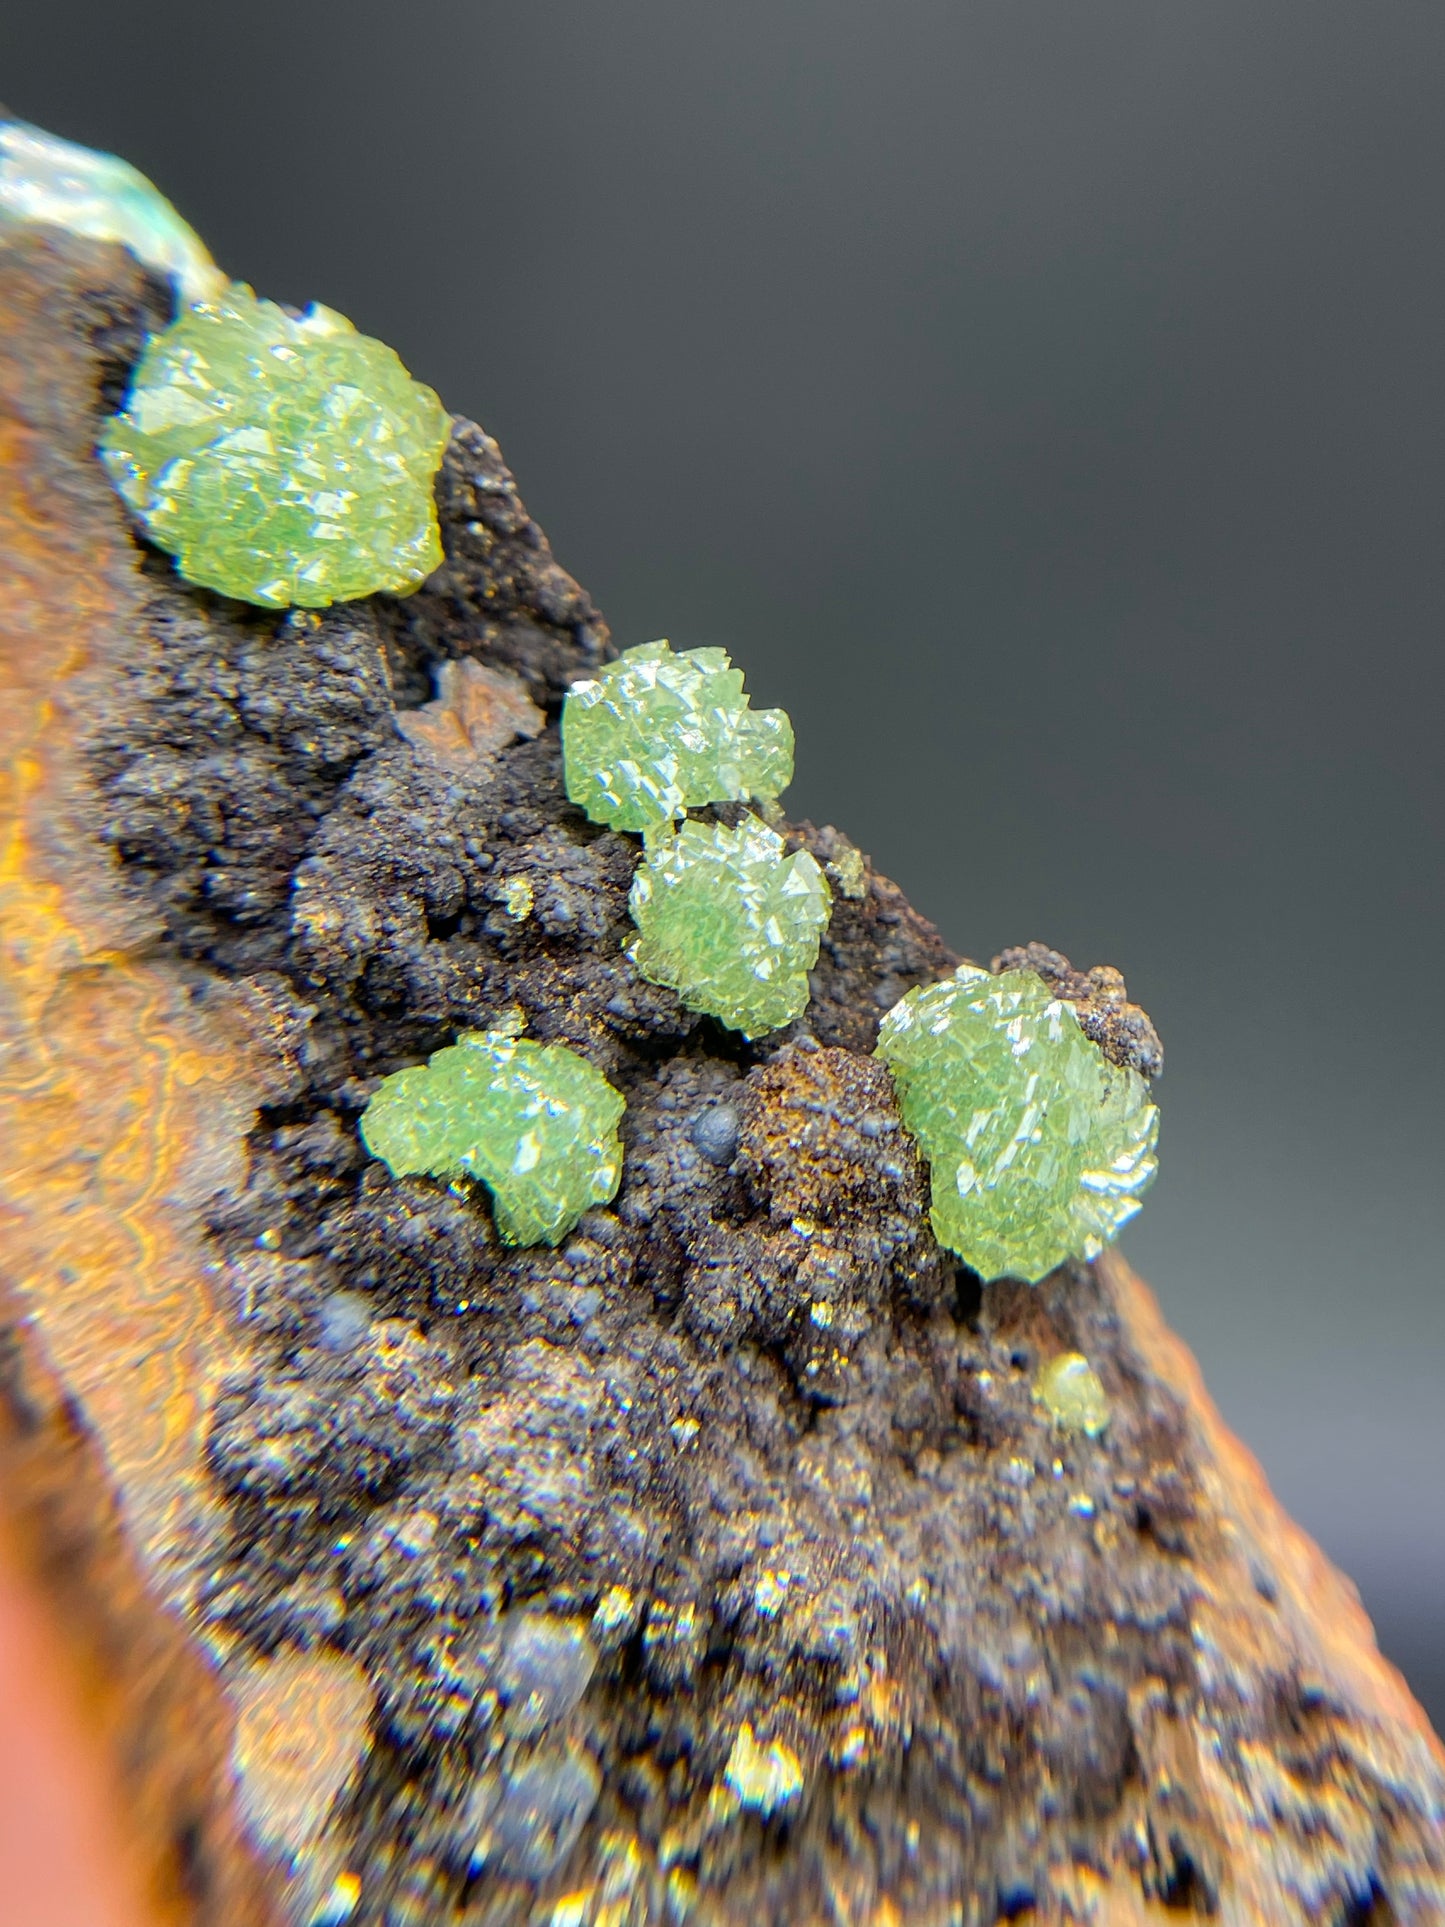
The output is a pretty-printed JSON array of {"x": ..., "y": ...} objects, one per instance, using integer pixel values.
[
  {"x": 730, "y": 922},
  {"x": 1039, "y": 1147},
  {"x": 55, "y": 182},
  {"x": 1071, "y": 1392},
  {"x": 535, "y": 1122},
  {"x": 281, "y": 460},
  {"x": 657, "y": 733}
]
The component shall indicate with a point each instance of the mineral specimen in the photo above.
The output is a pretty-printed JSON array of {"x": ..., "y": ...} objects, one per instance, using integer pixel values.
[
  {"x": 730, "y": 923},
  {"x": 280, "y": 460},
  {"x": 45, "y": 179},
  {"x": 655, "y": 734},
  {"x": 1069, "y": 1390},
  {"x": 259, "y": 1400},
  {"x": 535, "y": 1122},
  {"x": 1039, "y": 1146}
]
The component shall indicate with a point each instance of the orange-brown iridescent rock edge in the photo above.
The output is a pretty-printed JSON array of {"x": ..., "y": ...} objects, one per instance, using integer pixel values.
[
  {"x": 119, "y": 1114},
  {"x": 1314, "y": 1629}
]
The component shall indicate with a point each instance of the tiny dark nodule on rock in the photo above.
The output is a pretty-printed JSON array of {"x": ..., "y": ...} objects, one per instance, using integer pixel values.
[{"x": 510, "y": 1545}]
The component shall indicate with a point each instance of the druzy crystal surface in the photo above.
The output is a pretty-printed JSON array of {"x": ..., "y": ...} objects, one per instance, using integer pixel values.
[
  {"x": 535, "y": 1122},
  {"x": 730, "y": 922},
  {"x": 104, "y": 198},
  {"x": 280, "y": 460},
  {"x": 1039, "y": 1147},
  {"x": 657, "y": 733}
]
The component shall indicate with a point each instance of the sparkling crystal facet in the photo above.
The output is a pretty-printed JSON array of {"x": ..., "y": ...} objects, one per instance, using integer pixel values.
[
  {"x": 535, "y": 1122},
  {"x": 1039, "y": 1146},
  {"x": 279, "y": 460},
  {"x": 765, "y": 1778},
  {"x": 48, "y": 180},
  {"x": 730, "y": 923},
  {"x": 1070, "y": 1392},
  {"x": 657, "y": 733}
]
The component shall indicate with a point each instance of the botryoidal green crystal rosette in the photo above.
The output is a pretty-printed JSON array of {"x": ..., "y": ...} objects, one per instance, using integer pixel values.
[
  {"x": 1039, "y": 1147},
  {"x": 730, "y": 923},
  {"x": 280, "y": 460},
  {"x": 657, "y": 733},
  {"x": 535, "y": 1122}
]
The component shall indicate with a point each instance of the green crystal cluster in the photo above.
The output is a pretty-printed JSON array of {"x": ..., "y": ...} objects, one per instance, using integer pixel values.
[
  {"x": 1039, "y": 1147},
  {"x": 730, "y": 923},
  {"x": 48, "y": 180},
  {"x": 280, "y": 460},
  {"x": 535, "y": 1122},
  {"x": 289, "y": 460},
  {"x": 655, "y": 734}
]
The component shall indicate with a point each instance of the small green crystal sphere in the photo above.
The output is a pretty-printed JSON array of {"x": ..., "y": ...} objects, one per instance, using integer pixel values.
[
  {"x": 1070, "y": 1391},
  {"x": 535, "y": 1122},
  {"x": 1039, "y": 1147},
  {"x": 730, "y": 923},
  {"x": 281, "y": 461},
  {"x": 655, "y": 734},
  {"x": 59, "y": 184}
]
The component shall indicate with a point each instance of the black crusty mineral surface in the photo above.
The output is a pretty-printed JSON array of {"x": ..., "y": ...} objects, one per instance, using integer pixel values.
[{"x": 748, "y": 1449}]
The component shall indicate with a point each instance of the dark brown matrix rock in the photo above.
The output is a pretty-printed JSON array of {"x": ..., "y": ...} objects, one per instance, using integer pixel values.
[{"x": 749, "y": 1448}]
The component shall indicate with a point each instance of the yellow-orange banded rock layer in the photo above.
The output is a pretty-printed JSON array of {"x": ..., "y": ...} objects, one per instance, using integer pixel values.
[
  {"x": 120, "y": 1113},
  {"x": 125, "y": 1743}
]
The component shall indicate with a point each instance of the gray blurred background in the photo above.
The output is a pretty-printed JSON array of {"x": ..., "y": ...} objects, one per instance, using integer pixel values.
[{"x": 1044, "y": 403}]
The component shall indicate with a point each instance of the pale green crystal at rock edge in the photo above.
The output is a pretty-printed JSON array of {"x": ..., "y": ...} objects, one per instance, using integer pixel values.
[
  {"x": 281, "y": 460},
  {"x": 535, "y": 1122},
  {"x": 730, "y": 923},
  {"x": 1070, "y": 1392},
  {"x": 657, "y": 733},
  {"x": 53, "y": 182},
  {"x": 1039, "y": 1146}
]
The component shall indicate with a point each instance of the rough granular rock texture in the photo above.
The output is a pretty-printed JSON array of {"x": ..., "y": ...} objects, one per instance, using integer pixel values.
[
  {"x": 1101, "y": 1003},
  {"x": 748, "y": 1451}
]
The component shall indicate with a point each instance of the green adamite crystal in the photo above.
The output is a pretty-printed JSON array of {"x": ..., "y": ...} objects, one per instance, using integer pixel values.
[
  {"x": 1070, "y": 1391},
  {"x": 655, "y": 734},
  {"x": 1039, "y": 1146},
  {"x": 730, "y": 923},
  {"x": 535, "y": 1122},
  {"x": 280, "y": 460}
]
